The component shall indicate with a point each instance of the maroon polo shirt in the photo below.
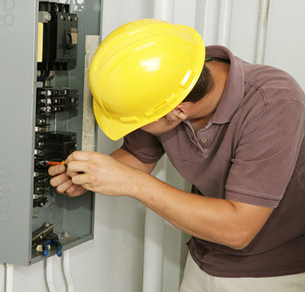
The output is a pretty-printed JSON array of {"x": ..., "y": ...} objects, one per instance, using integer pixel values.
[{"x": 251, "y": 151}]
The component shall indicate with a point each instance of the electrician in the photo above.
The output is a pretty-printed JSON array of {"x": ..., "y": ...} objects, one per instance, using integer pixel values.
[{"x": 233, "y": 129}]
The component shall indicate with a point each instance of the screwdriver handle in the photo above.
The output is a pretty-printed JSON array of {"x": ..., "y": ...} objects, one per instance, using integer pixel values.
[{"x": 56, "y": 162}]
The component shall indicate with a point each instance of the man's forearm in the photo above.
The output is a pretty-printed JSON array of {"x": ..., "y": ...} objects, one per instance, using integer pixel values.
[{"x": 217, "y": 220}]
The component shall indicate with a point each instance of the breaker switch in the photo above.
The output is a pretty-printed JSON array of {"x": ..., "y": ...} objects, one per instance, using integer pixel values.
[
  {"x": 60, "y": 33},
  {"x": 52, "y": 100},
  {"x": 50, "y": 146},
  {"x": 39, "y": 200}
]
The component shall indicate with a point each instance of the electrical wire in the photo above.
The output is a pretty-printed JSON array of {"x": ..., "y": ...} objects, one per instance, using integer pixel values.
[
  {"x": 9, "y": 277},
  {"x": 67, "y": 270},
  {"x": 49, "y": 274}
]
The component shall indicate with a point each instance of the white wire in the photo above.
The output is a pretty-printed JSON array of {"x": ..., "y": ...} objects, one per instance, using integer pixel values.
[
  {"x": 9, "y": 277},
  {"x": 67, "y": 270},
  {"x": 49, "y": 274}
]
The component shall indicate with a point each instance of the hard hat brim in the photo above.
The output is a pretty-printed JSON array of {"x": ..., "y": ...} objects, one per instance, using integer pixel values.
[{"x": 113, "y": 128}]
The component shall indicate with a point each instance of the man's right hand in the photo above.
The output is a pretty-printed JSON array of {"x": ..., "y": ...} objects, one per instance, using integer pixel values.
[{"x": 63, "y": 183}]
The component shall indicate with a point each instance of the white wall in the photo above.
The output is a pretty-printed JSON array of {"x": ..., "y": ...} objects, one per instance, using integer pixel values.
[{"x": 113, "y": 261}]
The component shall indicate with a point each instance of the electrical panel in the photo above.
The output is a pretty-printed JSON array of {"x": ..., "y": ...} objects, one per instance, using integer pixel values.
[{"x": 41, "y": 124}]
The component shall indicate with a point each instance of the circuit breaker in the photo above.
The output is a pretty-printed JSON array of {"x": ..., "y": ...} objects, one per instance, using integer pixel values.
[{"x": 41, "y": 122}]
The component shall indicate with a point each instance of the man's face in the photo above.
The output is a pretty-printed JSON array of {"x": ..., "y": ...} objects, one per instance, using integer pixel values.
[
  {"x": 200, "y": 111},
  {"x": 163, "y": 125}
]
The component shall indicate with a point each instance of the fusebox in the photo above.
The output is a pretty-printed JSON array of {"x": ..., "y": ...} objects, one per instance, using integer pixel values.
[{"x": 41, "y": 124}]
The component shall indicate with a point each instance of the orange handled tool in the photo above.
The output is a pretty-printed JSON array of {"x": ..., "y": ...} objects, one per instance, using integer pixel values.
[{"x": 56, "y": 162}]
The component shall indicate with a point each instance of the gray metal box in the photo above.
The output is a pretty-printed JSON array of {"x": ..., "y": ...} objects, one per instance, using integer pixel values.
[{"x": 72, "y": 218}]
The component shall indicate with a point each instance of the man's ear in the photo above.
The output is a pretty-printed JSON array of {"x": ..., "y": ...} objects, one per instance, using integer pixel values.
[{"x": 181, "y": 111}]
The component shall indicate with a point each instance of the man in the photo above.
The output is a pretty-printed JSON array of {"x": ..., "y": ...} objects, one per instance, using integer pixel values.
[{"x": 233, "y": 129}]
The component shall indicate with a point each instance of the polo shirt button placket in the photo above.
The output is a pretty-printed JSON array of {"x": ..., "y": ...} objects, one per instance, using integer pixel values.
[{"x": 203, "y": 146}]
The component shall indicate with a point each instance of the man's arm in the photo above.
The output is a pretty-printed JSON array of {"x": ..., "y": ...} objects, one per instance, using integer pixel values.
[
  {"x": 64, "y": 185},
  {"x": 225, "y": 222},
  {"x": 221, "y": 221}
]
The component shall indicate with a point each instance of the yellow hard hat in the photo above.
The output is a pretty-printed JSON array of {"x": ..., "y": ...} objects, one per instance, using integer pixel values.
[{"x": 141, "y": 71}]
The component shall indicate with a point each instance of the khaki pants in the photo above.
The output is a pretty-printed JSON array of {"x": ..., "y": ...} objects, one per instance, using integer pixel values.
[{"x": 195, "y": 280}]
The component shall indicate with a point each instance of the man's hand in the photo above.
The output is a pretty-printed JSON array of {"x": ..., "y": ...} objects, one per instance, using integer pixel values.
[
  {"x": 99, "y": 173},
  {"x": 110, "y": 175},
  {"x": 62, "y": 182}
]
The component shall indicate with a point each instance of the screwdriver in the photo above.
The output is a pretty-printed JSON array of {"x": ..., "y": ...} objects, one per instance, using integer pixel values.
[
  {"x": 51, "y": 163},
  {"x": 56, "y": 162}
]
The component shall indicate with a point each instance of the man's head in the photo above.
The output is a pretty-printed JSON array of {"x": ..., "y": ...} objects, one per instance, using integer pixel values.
[
  {"x": 142, "y": 71},
  {"x": 193, "y": 105}
]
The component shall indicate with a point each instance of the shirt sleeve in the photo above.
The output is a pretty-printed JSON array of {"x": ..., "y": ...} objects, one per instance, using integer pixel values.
[
  {"x": 144, "y": 146},
  {"x": 266, "y": 156}
]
